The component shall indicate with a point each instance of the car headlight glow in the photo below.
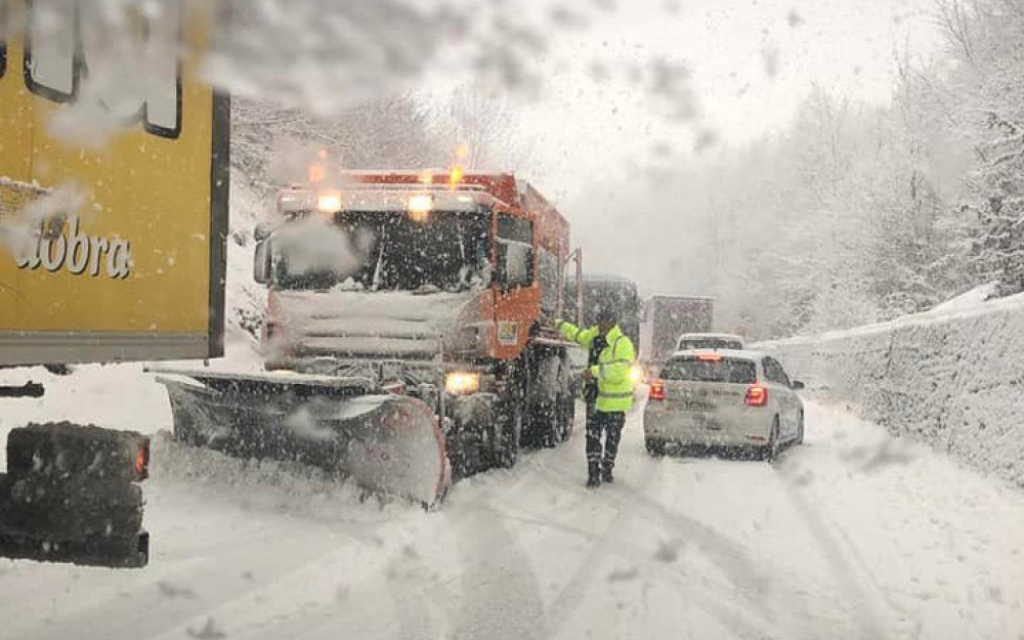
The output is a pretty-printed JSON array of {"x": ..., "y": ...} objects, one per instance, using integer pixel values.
[{"x": 460, "y": 383}]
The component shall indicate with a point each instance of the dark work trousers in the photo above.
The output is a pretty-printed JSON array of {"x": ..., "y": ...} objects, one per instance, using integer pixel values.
[{"x": 609, "y": 424}]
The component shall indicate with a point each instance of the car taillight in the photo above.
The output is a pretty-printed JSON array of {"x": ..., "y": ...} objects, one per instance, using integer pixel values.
[
  {"x": 757, "y": 396},
  {"x": 657, "y": 391},
  {"x": 141, "y": 470}
]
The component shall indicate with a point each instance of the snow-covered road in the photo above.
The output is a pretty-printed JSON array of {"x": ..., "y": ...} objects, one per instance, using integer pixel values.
[{"x": 853, "y": 535}]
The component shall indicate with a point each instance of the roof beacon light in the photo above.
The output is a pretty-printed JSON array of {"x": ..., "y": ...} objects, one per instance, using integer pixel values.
[{"x": 455, "y": 177}]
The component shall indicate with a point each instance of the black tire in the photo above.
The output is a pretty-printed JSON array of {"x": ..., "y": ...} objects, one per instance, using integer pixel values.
[
  {"x": 61, "y": 450},
  {"x": 73, "y": 509},
  {"x": 510, "y": 434},
  {"x": 561, "y": 426},
  {"x": 800, "y": 429},
  {"x": 545, "y": 426},
  {"x": 655, "y": 447},
  {"x": 770, "y": 452},
  {"x": 569, "y": 415}
]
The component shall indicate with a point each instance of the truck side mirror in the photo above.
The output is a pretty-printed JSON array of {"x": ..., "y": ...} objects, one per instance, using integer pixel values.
[
  {"x": 798, "y": 385},
  {"x": 261, "y": 266}
]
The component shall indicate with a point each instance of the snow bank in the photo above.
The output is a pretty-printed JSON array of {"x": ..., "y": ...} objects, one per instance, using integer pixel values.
[
  {"x": 951, "y": 377},
  {"x": 245, "y": 298},
  {"x": 966, "y": 301}
]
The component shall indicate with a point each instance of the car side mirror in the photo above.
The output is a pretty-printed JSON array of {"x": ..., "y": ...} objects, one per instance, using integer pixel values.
[
  {"x": 261, "y": 266},
  {"x": 798, "y": 385}
]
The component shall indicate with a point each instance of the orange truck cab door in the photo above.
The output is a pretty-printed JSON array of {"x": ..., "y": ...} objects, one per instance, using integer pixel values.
[{"x": 515, "y": 288}]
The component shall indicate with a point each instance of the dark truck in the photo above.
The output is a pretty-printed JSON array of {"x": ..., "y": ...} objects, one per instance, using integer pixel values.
[
  {"x": 665, "y": 318},
  {"x": 604, "y": 290}
]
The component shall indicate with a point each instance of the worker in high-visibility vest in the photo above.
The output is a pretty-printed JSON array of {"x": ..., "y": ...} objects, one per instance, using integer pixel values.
[{"x": 608, "y": 391}]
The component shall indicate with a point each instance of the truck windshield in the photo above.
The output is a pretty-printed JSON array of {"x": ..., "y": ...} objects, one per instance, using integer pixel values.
[{"x": 385, "y": 251}]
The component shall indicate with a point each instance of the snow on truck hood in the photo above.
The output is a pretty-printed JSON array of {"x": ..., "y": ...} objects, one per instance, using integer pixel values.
[{"x": 356, "y": 324}]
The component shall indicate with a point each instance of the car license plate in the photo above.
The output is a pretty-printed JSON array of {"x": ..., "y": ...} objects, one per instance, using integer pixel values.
[
  {"x": 696, "y": 405},
  {"x": 707, "y": 422}
]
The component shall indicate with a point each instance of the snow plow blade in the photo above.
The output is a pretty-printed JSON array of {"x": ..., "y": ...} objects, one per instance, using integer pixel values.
[{"x": 388, "y": 444}]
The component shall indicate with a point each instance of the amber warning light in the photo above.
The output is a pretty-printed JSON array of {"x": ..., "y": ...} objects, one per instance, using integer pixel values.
[{"x": 455, "y": 177}]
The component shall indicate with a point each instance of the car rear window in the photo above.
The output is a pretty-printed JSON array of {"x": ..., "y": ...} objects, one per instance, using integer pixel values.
[
  {"x": 708, "y": 343},
  {"x": 695, "y": 369}
]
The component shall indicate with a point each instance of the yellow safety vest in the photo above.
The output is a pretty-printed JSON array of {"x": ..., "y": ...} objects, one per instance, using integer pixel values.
[{"x": 614, "y": 384}]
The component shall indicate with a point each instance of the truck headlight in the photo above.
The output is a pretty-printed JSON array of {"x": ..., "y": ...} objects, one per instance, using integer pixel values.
[
  {"x": 636, "y": 374},
  {"x": 459, "y": 383},
  {"x": 329, "y": 202}
]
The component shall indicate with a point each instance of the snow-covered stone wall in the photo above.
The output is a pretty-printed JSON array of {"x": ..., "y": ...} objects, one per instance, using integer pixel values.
[{"x": 952, "y": 377}]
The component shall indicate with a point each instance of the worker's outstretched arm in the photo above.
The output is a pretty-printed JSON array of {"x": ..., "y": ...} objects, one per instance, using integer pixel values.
[{"x": 582, "y": 337}]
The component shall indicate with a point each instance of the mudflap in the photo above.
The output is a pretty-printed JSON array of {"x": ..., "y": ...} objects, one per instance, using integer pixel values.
[{"x": 390, "y": 445}]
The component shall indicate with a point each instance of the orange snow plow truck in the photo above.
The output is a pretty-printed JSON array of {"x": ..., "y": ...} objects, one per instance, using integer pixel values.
[{"x": 407, "y": 340}]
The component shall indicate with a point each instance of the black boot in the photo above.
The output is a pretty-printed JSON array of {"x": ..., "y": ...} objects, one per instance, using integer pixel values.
[
  {"x": 606, "y": 473},
  {"x": 593, "y": 476}
]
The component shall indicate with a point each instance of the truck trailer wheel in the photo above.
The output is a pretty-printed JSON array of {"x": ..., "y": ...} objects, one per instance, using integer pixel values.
[
  {"x": 510, "y": 433},
  {"x": 655, "y": 447},
  {"x": 546, "y": 425},
  {"x": 566, "y": 416}
]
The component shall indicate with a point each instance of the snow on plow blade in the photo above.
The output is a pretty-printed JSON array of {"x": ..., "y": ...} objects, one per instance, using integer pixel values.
[{"x": 388, "y": 444}]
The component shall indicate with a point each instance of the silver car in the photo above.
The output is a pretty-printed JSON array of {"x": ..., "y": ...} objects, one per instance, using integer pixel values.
[{"x": 725, "y": 398}]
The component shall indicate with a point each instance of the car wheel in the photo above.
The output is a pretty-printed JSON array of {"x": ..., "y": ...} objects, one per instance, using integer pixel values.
[
  {"x": 655, "y": 447},
  {"x": 800, "y": 428},
  {"x": 771, "y": 450}
]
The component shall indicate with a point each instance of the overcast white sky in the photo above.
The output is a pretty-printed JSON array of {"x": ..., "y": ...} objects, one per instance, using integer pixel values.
[{"x": 591, "y": 120}]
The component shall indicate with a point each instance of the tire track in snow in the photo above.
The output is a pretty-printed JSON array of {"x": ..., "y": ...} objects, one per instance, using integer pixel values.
[
  {"x": 500, "y": 592},
  {"x": 571, "y": 595},
  {"x": 842, "y": 570},
  {"x": 413, "y": 614},
  {"x": 608, "y": 544},
  {"x": 733, "y": 558},
  {"x": 714, "y": 604},
  {"x": 498, "y": 595}
]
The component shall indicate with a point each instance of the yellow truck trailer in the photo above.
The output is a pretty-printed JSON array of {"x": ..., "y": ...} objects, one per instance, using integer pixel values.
[{"x": 113, "y": 219}]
